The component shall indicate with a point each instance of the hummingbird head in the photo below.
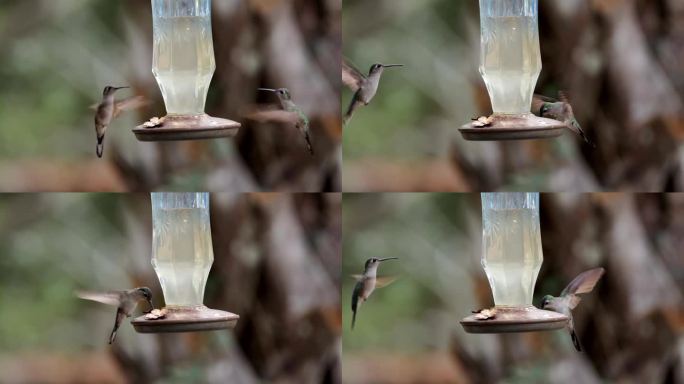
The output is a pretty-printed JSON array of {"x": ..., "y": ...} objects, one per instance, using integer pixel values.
[
  {"x": 546, "y": 300},
  {"x": 109, "y": 90},
  {"x": 374, "y": 262},
  {"x": 146, "y": 294},
  {"x": 376, "y": 68},
  {"x": 282, "y": 93},
  {"x": 557, "y": 111}
]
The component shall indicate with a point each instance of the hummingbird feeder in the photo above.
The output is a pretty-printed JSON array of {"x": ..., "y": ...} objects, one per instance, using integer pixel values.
[
  {"x": 182, "y": 256},
  {"x": 184, "y": 64},
  {"x": 512, "y": 256},
  {"x": 510, "y": 66}
]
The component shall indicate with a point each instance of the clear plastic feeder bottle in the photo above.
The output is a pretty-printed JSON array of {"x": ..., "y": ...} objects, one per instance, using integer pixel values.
[
  {"x": 511, "y": 59},
  {"x": 183, "y": 60},
  {"x": 511, "y": 241},
  {"x": 182, "y": 252}
]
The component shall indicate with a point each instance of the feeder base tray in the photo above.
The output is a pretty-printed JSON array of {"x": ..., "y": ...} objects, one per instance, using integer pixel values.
[
  {"x": 516, "y": 319},
  {"x": 514, "y": 127},
  {"x": 198, "y": 127},
  {"x": 187, "y": 319}
]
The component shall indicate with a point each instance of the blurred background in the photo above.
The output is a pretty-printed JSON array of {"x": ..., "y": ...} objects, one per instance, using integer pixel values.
[
  {"x": 619, "y": 62},
  {"x": 276, "y": 264},
  {"x": 56, "y": 57},
  {"x": 631, "y": 326}
]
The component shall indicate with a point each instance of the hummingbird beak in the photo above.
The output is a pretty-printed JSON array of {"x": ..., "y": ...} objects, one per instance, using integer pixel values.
[
  {"x": 268, "y": 90},
  {"x": 117, "y": 88},
  {"x": 388, "y": 258},
  {"x": 149, "y": 301},
  {"x": 392, "y": 65}
]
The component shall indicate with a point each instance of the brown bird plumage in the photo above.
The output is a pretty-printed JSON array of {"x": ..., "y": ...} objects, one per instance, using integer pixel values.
[{"x": 109, "y": 109}]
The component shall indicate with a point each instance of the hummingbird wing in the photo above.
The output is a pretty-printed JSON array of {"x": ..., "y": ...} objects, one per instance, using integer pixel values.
[
  {"x": 584, "y": 282},
  {"x": 353, "y": 106},
  {"x": 351, "y": 77},
  {"x": 382, "y": 282},
  {"x": 130, "y": 104},
  {"x": 573, "y": 301},
  {"x": 274, "y": 115},
  {"x": 109, "y": 298},
  {"x": 357, "y": 277}
]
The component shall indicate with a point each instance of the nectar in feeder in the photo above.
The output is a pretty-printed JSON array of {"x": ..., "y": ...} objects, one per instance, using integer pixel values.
[
  {"x": 183, "y": 61},
  {"x": 184, "y": 64},
  {"x": 182, "y": 252},
  {"x": 512, "y": 253},
  {"x": 182, "y": 256},
  {"x": 512, "y": 257},
  {"x": 511, "y": 59},
  {"x": 510, "y": 67}
]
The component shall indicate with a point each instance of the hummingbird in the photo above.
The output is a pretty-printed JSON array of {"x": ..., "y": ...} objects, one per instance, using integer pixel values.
[
  {"x": 560, "y": 110},
  {"x": 296, "y": 115},
  {"x": 366, "y": 284},
  {"x": 109, "y": 109},
  {"x": 569, "y": 299},
  {"x": 364, "y": 87},
  {"x": 125, "y": 301}
]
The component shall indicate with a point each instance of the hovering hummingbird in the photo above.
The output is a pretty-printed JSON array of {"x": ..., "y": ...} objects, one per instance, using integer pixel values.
[
  {"x": 364, "y": 87},
  {"x": 366, "y": 284},
  {"x": 568, "y": 300},
  {"x": 560, "y": 110},
  {"x": 125, "y": 301},
  {"x": 295, "y": 114},
  {"x": 109, "y": 109}
]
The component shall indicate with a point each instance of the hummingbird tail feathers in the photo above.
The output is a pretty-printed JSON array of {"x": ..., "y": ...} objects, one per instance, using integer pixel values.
[
  {"x": 575, "y": 341},
  {"x": 577, "y": 128},
  {"x": 586, "y": 138},
  {"x": 120, "y": 316},
  {"x": 355, "y": 304},
  {"x": 307, "y": 137},
  {"x": 350, "y": 111},
  {"x": 353, "y": 319},
  {"x": 100, "y": 146}
]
